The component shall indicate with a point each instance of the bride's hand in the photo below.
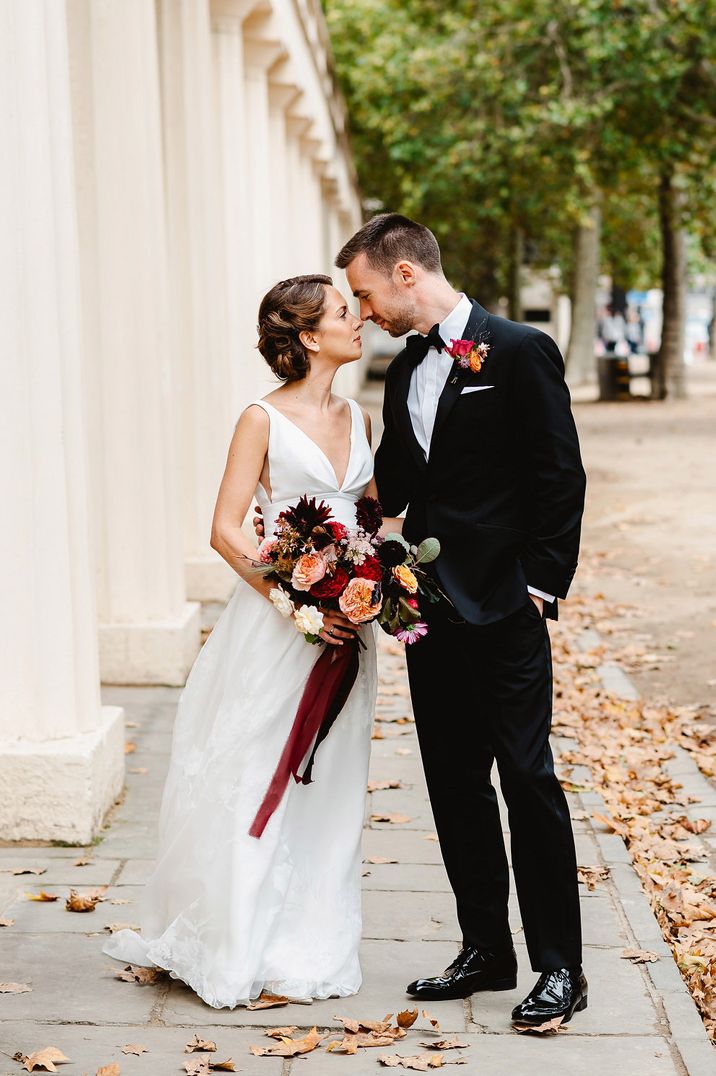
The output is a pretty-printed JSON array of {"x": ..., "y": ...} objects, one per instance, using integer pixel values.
[
  {"x": 392, "y": 525},
  {"x": 258, "y": 522},
  {"x": 336, "y": 627}
]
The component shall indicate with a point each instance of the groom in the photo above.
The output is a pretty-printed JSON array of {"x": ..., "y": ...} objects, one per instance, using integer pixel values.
[{"x": 488, "y": 462}]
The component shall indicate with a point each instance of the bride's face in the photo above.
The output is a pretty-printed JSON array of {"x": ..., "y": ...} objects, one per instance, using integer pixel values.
[{"x": 338, "y": 333}]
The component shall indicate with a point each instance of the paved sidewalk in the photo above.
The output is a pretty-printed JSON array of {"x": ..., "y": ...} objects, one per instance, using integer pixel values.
[{"x": 640, "y": 1018}]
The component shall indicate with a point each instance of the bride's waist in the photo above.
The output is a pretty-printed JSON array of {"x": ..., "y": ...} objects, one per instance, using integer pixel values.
[{"x": 342, "y": 505}]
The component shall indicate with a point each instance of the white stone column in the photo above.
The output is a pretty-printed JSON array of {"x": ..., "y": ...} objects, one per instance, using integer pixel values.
[
  {"x": 61, "y": 753},
  {"x": 281, "y": 96},
  {"x": 198, "y": 296},
  {"x": 248, "y": 372},
  {"x": 149, "y": 633}
]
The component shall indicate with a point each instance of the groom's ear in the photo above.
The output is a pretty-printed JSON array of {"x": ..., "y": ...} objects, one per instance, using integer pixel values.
[
  {"x": 404, "y": 273},
  {"x": 309, "y": 341}
]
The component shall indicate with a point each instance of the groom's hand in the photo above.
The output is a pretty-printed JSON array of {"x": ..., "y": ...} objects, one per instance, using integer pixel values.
[
  {"x": 258, "y": 522},
  {"x": 539, "y": 602}
]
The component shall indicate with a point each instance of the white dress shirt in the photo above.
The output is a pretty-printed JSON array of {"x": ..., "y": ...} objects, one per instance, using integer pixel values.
[{"x": 427, "y": 383}]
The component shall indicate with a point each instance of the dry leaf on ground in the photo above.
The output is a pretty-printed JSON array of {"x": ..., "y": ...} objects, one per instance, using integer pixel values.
[
  {"x": 41, "y": 1060},
  {"x": 114, "y": 927},
  {"x": 591, "y": 875},
  {"x": 281, "y": 1032},
  {"x": 639, "y": 956},
  {"x": 379, "y": 859},
  {"x": 109, "y": 1070},
  {"x": 419, "y": 1062},
  {"x": 433, "y": 1021},
  {"x": 14, "y": 988},
  {"x": 43, "y": 896},
  {"x": 6, "y": 922},
  {"x": 288, "y": 1047},
  {"x": 84, "y": 902},
  {"x": 133, "y": 973},
  {"x": 83, "y": 861},
  {"x": 407, "y": 1018},
  {"x": 28, "y": 870},
  {"x": 135, "y": 1048},
  {"x": 267, "y": 1001},
  {"x": 395, "y": 819},
  {"x": 550, "y": 1027},
  {"x": 198, "y": 1043},
  {"x": 382, "y": 786},
  {"x": 129, "y": 747},
  {"x": 446, "y": 1044}
]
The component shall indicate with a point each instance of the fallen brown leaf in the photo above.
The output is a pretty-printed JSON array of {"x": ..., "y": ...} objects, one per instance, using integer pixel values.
[
  {"x": 395, "y": 819},
  {"x": 84, "y": 902},
  {"x": 419, "y": 1062},
  {"x": 133, "y": 973},
  {"x": 550, "y": 1027},
  {"x": 29, "y": 870},
  {"x": 446, "y": 1044},
  {"x": 43, "y": 896},
  {"x": 129, "y": 747},
  {"x": 281, "y": 1032},
  {"x": 114, "y": 927},
  {"x": 134, "y": 1048},
  {"x": 379, "y": 859},
  {"x": 407, "y": 1018},
  {"x": 288, "y": 1047},
  {"x": 14, "y": 988},
  {"x": 432, "y": 1020},
  {"x": 639, "y": 956},
  {"x": 199, "y": 1044},
  {"x": 6, "y": 922},
  {"x": 83, "y": 861},
  {"x": 267, "y": 1001},
  {"x": 381, "y": 786},
  {"x": 41, "y": 1059},
  {"x": 109, "y": 1070},
  {"x": 591, "y": 875}
]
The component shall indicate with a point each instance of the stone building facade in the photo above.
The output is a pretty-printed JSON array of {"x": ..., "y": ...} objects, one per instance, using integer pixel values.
[{"x": 165, "y": 161}]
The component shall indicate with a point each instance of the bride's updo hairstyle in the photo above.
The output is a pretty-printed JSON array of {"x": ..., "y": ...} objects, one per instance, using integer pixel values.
[{"x": 291, "y": 307}]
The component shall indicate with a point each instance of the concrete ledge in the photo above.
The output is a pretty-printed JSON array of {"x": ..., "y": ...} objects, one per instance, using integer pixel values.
[
  {"x": 152, "y": 652},
  {"x": 209, "y": 579},
  {"x": 60, "y": 790}
]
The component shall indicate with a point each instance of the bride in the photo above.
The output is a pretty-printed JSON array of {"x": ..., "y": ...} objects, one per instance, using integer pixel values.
[{"x": 229, "y": 914}]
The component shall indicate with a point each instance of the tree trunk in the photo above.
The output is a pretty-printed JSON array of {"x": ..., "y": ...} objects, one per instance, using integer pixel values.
[
  {"x": 517, "y": 257},
  {"x": 669, "y": 375},
  {"x": 580, "y": 352}
]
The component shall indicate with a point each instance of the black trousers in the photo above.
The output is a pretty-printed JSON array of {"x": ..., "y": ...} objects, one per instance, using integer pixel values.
[{"x": 483, "y": 694}]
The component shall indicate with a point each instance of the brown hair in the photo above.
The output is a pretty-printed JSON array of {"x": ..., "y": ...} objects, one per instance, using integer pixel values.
[
  {"x": 291, "y": 307},
  {"x": 387, "y": 239}
]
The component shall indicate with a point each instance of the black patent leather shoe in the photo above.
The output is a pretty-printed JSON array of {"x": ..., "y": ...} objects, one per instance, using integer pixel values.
[
  {"x": 556, "y": 993},
  {"x": 472, "y": 970}
]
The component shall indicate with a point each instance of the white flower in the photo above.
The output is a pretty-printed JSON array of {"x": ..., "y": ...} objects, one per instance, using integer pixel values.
[
  {"x": 358, "y": 547},
  {"x": 309, "y": 620},
  {"x": 281, "y": 600}
]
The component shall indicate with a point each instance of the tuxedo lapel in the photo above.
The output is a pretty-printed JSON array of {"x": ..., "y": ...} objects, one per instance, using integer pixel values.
[
  {"x": 402, "y": 414},
  {"x": 476, "y": 324}
]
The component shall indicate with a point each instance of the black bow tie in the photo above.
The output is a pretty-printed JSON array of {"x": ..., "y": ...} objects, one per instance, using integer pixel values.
[{"x": 417, "y": 346}]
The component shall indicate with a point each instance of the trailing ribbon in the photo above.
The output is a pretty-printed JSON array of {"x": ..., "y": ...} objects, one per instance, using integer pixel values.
[{"x": 328, "y": 686}]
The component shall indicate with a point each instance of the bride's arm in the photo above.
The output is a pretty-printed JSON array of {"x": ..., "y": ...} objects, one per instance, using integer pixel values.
[{"x": 244, "y": 464}]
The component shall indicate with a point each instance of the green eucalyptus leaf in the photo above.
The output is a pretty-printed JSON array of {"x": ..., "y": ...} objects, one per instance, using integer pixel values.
[{"x": 428, "y": 550}]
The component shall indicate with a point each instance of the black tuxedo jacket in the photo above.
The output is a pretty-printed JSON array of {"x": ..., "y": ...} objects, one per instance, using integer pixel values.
[{"x": 503, "y": 487}]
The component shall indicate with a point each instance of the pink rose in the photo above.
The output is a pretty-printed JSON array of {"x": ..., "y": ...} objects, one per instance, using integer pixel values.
[
  {"x": 460, "y": 348},
  {"x": 307, "y": 570},
  {"x": 265, "y": 550}
]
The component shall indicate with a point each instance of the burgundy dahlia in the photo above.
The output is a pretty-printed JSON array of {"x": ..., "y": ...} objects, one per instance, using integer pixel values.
[{"x": 369, "y": 514}]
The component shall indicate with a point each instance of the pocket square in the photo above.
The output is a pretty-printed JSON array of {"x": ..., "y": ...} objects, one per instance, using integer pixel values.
[{"x": 475, "y": 388}]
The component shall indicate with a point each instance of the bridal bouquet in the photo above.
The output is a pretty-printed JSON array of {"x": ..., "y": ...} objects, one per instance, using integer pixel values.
[
  {"x": 318, "y": 563},
  {"x": 321, "y": 564}
]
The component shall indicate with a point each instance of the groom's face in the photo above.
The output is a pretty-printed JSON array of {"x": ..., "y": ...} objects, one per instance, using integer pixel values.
[{"x": 385, "y": 300}]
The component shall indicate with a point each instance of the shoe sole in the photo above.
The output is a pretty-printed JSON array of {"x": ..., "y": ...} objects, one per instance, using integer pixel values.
[{"x": 496, "y": 984}]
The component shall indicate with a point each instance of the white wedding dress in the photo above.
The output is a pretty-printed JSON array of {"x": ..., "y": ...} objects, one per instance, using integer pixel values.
[{"x": 229, "y": 914}]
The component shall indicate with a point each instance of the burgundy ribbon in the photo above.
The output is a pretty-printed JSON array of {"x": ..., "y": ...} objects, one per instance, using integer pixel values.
[{"x": 324, "y": 696}]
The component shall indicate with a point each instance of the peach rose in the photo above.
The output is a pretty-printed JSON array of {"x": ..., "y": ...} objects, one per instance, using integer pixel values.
[
  {"x": 406, "y": 578},
  {"x": 308, "y": 569},
  {"x": 361, "y": 600}
]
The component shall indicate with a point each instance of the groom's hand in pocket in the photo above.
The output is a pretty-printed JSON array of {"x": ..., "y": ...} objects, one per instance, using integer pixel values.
[
  {"x": 258, "y": 522},
  {"x": 539, "y": 602}
]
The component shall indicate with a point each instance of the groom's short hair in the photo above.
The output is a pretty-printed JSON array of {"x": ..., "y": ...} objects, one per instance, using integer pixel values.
[{"x": 389, "y": 238}]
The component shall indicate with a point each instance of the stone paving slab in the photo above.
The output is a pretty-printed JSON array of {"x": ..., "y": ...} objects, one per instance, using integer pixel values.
[{"x": 640, "y": 1019}]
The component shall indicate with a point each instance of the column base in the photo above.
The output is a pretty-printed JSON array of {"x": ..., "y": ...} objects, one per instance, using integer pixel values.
[
  {"x": 152, "y": 652},
  {"x": 60, "y": 790},
  {"x": 209, "y": 579}
]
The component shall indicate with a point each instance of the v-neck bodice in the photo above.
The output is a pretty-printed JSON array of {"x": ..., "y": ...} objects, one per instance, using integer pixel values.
[{"x": 298, "y": 466}]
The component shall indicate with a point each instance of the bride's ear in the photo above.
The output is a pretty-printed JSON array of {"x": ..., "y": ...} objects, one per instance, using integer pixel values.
[{"x": 309, "y": 341}]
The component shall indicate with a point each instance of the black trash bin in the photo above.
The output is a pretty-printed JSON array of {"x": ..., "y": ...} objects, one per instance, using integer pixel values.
[{"x": 613, "y": 371}]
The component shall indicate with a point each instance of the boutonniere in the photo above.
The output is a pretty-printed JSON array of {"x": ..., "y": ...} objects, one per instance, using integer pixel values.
[{"x": 468, "y": 354}]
